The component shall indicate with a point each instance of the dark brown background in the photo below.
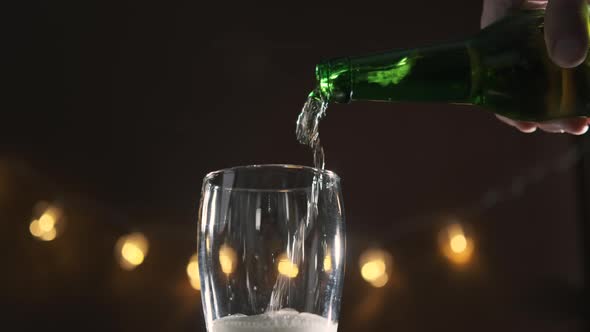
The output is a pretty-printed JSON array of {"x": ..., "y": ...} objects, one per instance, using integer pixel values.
[{"x": 119, "y": 108}]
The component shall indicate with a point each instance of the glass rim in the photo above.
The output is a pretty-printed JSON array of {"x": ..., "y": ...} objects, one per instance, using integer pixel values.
[{"x": 314, "y": 171}]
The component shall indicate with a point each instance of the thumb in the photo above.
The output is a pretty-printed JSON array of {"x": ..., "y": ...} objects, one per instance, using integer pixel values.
[{"x": 566, "y": 31}]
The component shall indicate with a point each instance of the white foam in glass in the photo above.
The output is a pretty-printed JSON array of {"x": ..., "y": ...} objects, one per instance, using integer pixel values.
[{"x": 285, "y": 320}]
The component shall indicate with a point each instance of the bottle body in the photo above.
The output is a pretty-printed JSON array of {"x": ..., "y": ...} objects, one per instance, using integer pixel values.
[{"x": 505, "y": 68}]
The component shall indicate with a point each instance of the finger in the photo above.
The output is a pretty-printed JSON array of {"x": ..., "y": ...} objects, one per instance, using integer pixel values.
[
  {"x": 576, "y": 126},
  {"x": 533, "y": 4},
  {"x": 566, "y": 32},
  {"x": 524, "y": 126},
  {"x": 493, "y": 10}
]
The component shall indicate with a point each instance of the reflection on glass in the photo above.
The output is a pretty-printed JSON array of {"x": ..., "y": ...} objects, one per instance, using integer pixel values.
[
  {"x": 287, "y": 268},
  {"x": 327, "y": 261},
  {"x": 227, "y": 259}
]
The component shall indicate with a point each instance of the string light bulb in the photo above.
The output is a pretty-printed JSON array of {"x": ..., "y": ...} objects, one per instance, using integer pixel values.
[
  {"x": 47, "y": 222},
  {"x": 456, "y": 245},
  {"x": 380, "y": 281},
  {"x": 49, "y": 236},
  {"x": 192, "y": 270},
  {"x": 35, "y": 229},
  {"x": 131, "y": 250},
  {"x": 376, "y": 266}
]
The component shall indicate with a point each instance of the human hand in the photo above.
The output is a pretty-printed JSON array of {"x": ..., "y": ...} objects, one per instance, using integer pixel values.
[{"x": 566, "y": 37}]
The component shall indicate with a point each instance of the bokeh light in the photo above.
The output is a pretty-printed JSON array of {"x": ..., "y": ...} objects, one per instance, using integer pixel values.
[
  {"x": 49, "y": 236},
  {"x": 227, "y": 259},
  {"x": 132, "y": 253},
  {"x": 373, "y": 270},
  {"x": 131, "y": 250},
  {"x": 456, "y": 245},
  {"x": 47, "y": 223},
  {"x": 196, "y": 284},
  {"x": 381, "y": 281},
  {"x": 287, "y": 267},
  {"x": 327, "y": 263},
  {"x": 35, "y": 229},
  {"x": 376, "y": 267},
  {"x": 192, "y": 270}
]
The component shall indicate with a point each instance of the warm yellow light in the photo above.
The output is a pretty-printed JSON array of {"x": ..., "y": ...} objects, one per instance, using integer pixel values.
[
  {"x": 381, "y": 281},
  {"x": 132, "y": 253},
  {"x": 46, "y": 222},
  {"x": 227, "y": 259},
  {"x": 458, "y": 243},
  {"x": 327, "y": 260},
  {"x": 132, "y": 250},
  {"x": 373, "y": 270},
  {"x": 462, "y": 257},
  {"x": 196, "y": 283},
  {"x": 456, "y": 246},
  {"x": 35, "y": 229},
  {"x": 327, "y": 263},
  {"x": 47, "y": 225},
  {"x": 49, "y": 236},
  {"x": 42, "y": 234},
  {"x": 287, "y": 268},
  {"x": 375, "y": 266},
  {"x": 192, "y": 270}
]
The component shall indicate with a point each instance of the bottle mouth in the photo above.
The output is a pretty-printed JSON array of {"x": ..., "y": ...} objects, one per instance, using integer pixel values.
[{"x": 334, "y": 80}]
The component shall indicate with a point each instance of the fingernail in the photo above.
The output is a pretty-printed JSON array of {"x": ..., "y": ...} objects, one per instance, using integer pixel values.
[
  {"x": 568, "y": 53},
  {"x": 529, "y": 130},
  {"x": 583, "y": 131}
]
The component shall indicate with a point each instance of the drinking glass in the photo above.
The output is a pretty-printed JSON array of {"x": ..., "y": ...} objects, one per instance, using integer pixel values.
[{"x": 271, "y": 249}]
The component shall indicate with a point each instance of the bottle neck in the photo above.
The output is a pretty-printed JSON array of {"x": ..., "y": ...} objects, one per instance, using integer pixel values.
[{"x": 434, "y": 74}]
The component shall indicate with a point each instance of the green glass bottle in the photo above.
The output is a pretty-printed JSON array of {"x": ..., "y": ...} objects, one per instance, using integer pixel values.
[{"x": 504, "y": 68}]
